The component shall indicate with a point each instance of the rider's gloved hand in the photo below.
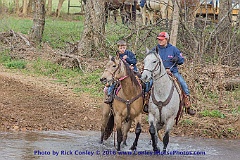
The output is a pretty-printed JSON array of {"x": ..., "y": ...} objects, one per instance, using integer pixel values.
[{"x": 174, "y": 59}]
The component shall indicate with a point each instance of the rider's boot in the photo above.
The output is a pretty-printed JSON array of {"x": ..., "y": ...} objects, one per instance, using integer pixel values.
[
  {"x": 109, "y": 99},
  {"x": 146, "y": 101},
  {"x": 188, "y": 105}
]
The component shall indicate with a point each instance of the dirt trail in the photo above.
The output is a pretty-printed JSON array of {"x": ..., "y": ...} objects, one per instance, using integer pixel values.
[{"x": 35, "y": 103}]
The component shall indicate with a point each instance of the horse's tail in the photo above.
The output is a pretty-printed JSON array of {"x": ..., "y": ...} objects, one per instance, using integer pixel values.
[{"x": 109, "y": 127}]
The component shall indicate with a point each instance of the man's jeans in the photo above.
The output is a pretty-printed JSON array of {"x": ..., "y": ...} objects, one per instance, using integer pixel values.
[{"x": 182, "y": 82}]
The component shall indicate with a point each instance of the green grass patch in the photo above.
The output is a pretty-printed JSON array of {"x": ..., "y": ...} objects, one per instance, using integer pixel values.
[
  {"x": 4, "y": 56},
  {"x": 213, "y": 113},
  {"x": 8, "y": 62},
  {"x": 86, "y": 82},
  {"x": 186, "y": 122},
  {"x": 47, "y": 68},
  {"x": 56, "y": 32},
  {"x": 89, "y": 83},
  {"x": 15, "y": 64}
]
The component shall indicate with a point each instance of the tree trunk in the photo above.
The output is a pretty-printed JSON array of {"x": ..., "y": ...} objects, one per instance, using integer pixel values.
[
  {"x": 225, "y": 29},
  {"x": 92, "y": 41},
  {"x": 38, "y": 22},
  {"x": 60, "y": 3},
  {"x": 25, "y": 7},
  {"x": 49, "y": 7},
  {"x": 30, "y": 5},
  {"x": 17, "y": 11},
  {"x": 1, "y": 6},
  {"x": 175, "y": 23}
]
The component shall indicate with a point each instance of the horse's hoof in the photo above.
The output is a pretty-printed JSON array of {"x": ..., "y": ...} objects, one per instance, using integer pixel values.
[
  {"x": 164, "y": 150},
  {"x": 133, "y": 148},
  {"x": 156, "y": 149}
]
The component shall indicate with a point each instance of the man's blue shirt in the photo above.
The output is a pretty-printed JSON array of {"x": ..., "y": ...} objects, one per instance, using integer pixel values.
[{"x": 167, "y": 53}]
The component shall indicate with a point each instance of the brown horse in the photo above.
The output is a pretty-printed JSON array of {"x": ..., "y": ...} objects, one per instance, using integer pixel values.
[
  {"x": 128, "y": 103},
  {"x": 127, "y": 9}
]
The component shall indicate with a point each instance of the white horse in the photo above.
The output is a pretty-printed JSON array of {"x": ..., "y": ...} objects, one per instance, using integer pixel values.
[
  {"x": 165, "y": 7},
  {"x": 164, "y": 101}
]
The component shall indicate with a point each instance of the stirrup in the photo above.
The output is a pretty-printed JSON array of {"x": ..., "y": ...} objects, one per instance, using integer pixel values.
[
  {"x": 145, "y": 108},
  {"x": 190, "y": 111}
]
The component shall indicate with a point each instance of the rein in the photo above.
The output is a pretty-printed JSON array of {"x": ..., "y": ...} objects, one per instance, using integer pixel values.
[{"x": 155, "y": 69}]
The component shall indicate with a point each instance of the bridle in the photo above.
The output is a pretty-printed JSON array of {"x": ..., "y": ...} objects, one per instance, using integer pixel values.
[
  {"x": 114, "y": 72},
  {"x": 157, "y": 67}
]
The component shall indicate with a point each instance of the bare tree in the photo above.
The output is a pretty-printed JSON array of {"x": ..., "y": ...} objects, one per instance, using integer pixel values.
[
  {"x": 92, "y": 40},
  {"x": 175, "y": 23},
  {"x": 38, "y": 22},
  {"x": 1, "y": 6},
  {"x": 17, "y": 11},
  {"x": 25, "y": 7},
  {"x": 30, "y": 6},
  {"x": 60, "y": 3},
  {"x": 49, "y": 7}
]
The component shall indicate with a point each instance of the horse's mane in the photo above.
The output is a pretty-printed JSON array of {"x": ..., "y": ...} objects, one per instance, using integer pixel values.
[
  {"x": 153, "y": 51},
  {"x": 130, "y": 73}
]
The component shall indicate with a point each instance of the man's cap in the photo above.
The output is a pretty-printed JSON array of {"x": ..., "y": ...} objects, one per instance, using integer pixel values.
[
  {"x": 163, "y": 35},
  {"x": 121, "y": 43}
]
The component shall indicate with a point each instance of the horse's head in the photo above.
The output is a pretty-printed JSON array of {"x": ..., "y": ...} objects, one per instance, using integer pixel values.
[
  {"x": 116, "y": 69},
  {"x": 152, "y": 65},
  {"x": 109, "y": 72}
]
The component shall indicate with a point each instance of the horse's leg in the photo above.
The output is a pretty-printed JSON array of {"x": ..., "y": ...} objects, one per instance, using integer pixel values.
[
  {"x": 151, "y": 16},
  {"x": 105, "y": 117},
  {"x": 126, "y": 127},
  {"x": 169, "y": 125},
  {"x": 134, "y": 11},
  {"x": 115, "y": 12},
  {"x": 128, "y": 11},
  {"x": 138, "y": 131},
  {"x": 152, "y": 132},
  {"x": 122, "y": 13},
  {"x": 118, "y": 121},
  {"x": 106, "y": 12},
  {"x": 159, "y": 126},
  {"x": 164, "y": 13},
  {"x": 143, "y": 10}
]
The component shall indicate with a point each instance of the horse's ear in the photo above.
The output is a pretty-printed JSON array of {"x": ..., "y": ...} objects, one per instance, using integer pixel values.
[
  {"x": 156, "y": 49},
  {"x": 147, "y": 50},
  {"x": 117, "y": 55},
  {"x": 111, "y": 58}
]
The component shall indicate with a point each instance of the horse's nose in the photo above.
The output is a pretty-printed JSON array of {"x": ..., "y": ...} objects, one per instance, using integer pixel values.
[{"x": 103, "y": 80}]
